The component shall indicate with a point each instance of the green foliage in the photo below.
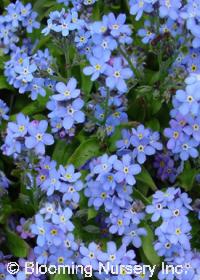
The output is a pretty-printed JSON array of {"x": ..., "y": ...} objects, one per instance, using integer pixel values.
[
  {"x": 17, "y": 246},
  {"x": 87, "y": 150},
  {"x": 147, "y": 246},
  {"x": 187, "y": 177},
  {"x": 145, "y": 178}
]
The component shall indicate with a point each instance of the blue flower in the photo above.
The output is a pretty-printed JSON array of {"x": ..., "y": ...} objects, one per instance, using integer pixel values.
[
  {"x": 132, "y": 235},
  {"x": 39, "y": 229},
  {"x": 66, "y": 92},
  {"x": 62, "y": 219},
  {"x": 146, "y": 33},
  {"x": 37, "y": 88},
  {"x": 115, "y": 255},
  {"x": 58, "y": 256},
  {"x": 187, "y": 148},
  {"x": 158, "y": 210},
  {"x": 25, "y": 70},
  {"x": 13, "y": 14},
  {"x": 20, "y": 127},
  {"x": 189, "y": 100},
  {"x": 92, "y": 255},
  {"x": 38, "y": 138},
  {"x": 126, "y": 170},
  {"x": 144, "y": 142},
  {"x": 41, "y": 254},
  {"x": 137, "y": 7},
  {"x": 3, "y": 111},
  {"x": 64, "y": 26},
  {"x": 98, "y": 196},
  {"x": 117, "y": 74},
  {"x": 193, "y": 128},
  {"x": 116, "y": 25},
  {"x": 68, "y": 174},
  {"x": 169, "y": 8},
  {"x": 71, "y": 192},
  {"x": 118, "y": 224},
  {"x": 52, "y": 183},
  {"x": 125, "y": 142},
  {"x": 98, "y": 63},
  {"x": 70, "y": 242},
  {"x": 54, "y": 234},
  {"x": 74, "y": 114},
  {"x": 82, "y": 38},
  {"x": 104, "y": 164},
  {"x": 30, "y": 22}
]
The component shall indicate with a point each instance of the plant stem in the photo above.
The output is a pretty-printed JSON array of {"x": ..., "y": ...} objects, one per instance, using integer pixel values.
[{"x": 135, "y": 71}]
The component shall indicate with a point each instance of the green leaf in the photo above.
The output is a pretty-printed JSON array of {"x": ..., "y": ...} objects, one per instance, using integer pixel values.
[
  {"x": 146, "y": 178},
  {"x": 87, "y": 150},
  {"x": 147, "y": 246},
  {"x": 96, "y": 12},
  {"x": 35, "y": 106},
  {"x": 156, "y": 106},
  {"x": 92, "y": 213},
  {"x": 6, "y": 210},
  {"x": 137, "y": 194},
  {"x": 92, "y": 229},
  {"x": 153, "y": 124},
  {"x": 63, "y": 151},
  {"x": 4, "y": 84},
  {"x": 17, "y": 246},
  {"x": 86, "y": 83},
  {"x": 62, "y": 277},
  {"x": 187, "y": 177}
]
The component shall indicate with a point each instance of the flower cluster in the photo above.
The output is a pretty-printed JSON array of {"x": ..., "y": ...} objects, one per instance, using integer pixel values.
[
  {"x": 63, "y": 22},
  {"x": 102, "y": 39},
  {"x": 97, "y": 41},
  {"x": 173, "y": 243},
  {"x": 166, "y": 165},
  {"x": 66, "y": 108},
  {"x": 109, "y": 116},
  {"x": 52, "y": 229},
  {"x": 186, "y": 15},
  {"x": 23, "y": 135},
  {"x": 188, "y": 62},
  {"x": 25, "y": 70},
  {"x": 139, "y": 143},
  {"x": 17, "y": 17},
  {"x": 62, "y": 180},
  {"x": 184, "y": 131},
  {"x": 110, "y": 184},
  {"x": 106, "y": 97},
  {"x": 77, "y": 4}
]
